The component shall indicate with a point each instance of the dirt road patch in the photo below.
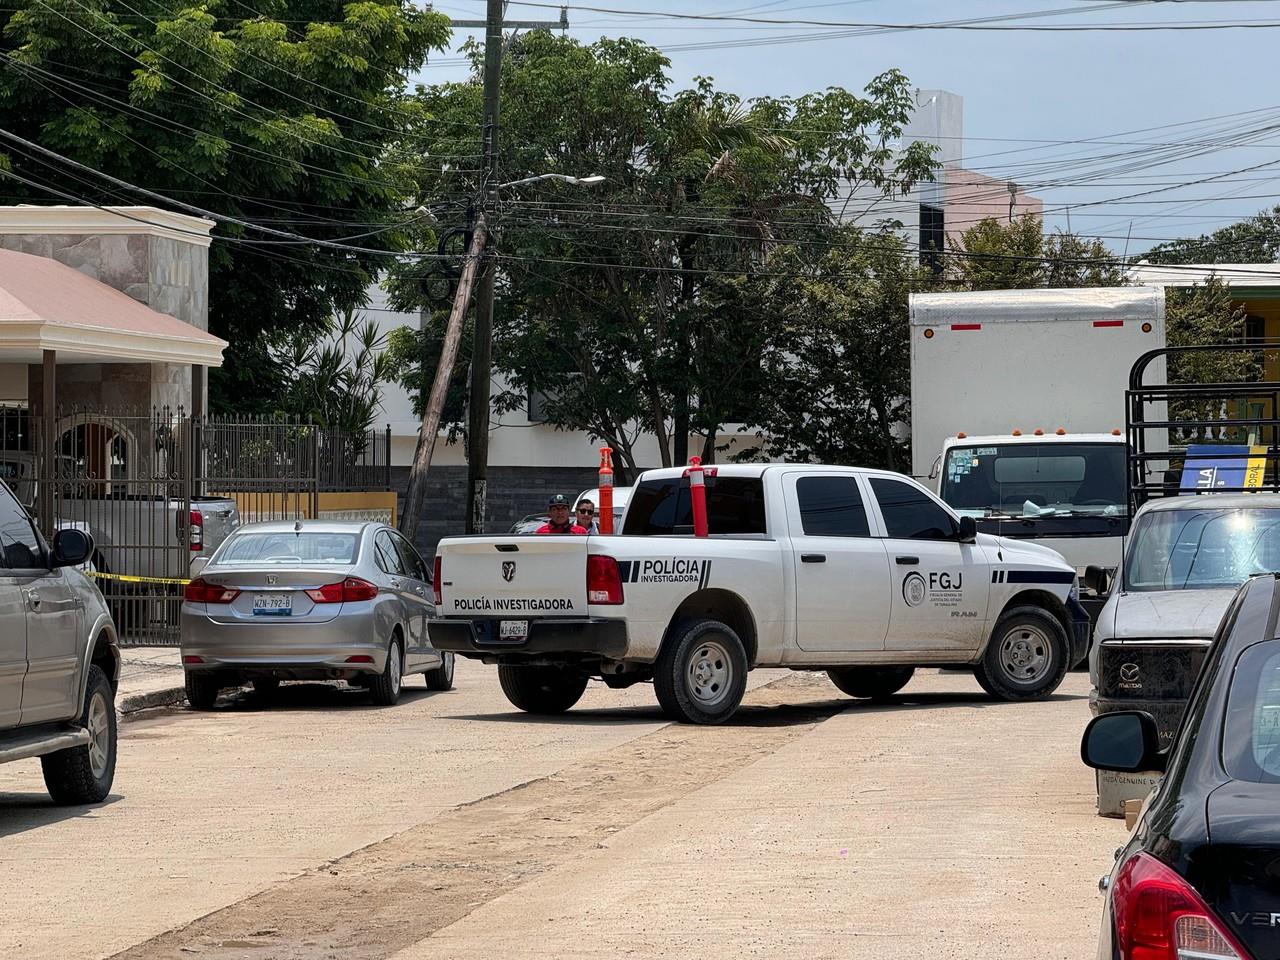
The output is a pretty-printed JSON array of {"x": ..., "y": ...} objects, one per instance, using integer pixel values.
[{"x": 380, "y": 899}]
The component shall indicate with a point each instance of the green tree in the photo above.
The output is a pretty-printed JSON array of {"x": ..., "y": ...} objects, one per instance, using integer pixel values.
[
  {"x": 838, "y": 377},
  {"x": 622, "y": 305},
  {"x": 293, "y": 113},
  {"x": 1016, "y": 255},
  {"x": 1253, "y": 240},
  {"x": 1205, "y": 315},
  {"x": 335, "y": 379}
]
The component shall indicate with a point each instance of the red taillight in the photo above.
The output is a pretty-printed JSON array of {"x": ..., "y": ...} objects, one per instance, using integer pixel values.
[
  {"x": 1159, "y": 916},
  {"x": 196, "y": 531},
  {"x": 192, "y": 658},
  {"x": 360, "y": 658},
  {"x": 435, "y": 581},
  {"x": 348, "y": 591},
  {"x": 202, "y": 591},
  {"x": 604, "y": 580}
]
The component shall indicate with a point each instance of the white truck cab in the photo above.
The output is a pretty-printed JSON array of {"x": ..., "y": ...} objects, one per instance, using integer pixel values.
[
  {"x": 1061, "y": 490},
  {"x": 862, "y": 573}
]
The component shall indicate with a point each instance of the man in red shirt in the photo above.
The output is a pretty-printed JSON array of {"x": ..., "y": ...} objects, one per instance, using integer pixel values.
[{"x": 558, "y": 508}]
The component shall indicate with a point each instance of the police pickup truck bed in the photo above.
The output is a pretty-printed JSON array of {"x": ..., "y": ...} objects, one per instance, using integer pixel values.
[{"x": 861, "y": 573}]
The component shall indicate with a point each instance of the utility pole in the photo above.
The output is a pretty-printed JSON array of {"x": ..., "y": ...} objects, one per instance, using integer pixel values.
[
  {"x": 482, "y": 342},
  {"x": 430, "y": 428}
]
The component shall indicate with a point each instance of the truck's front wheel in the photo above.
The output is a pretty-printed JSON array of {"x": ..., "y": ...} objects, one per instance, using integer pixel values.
[
  {"x": 874, "y": 683},
  {"x": 545, "y": 690},
  {"x": 1026, "y": 657},
  {"x": 701, "y": 673}
]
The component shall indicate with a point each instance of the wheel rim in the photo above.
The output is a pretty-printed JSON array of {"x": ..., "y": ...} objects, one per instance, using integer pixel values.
[
  {"x": 1025, "y": 654},
  {"x": 448, "y": 666},
  {"x": 394, "y": 666},
  {"x": 710, "y": 673},
  {"x": 99, "y": 736}
]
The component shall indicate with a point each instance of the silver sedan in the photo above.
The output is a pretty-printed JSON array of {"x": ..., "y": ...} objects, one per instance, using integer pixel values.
[{"x": 306, "y": 600}]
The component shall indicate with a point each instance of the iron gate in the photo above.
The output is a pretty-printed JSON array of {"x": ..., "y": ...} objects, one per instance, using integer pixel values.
[{"x": 157, "y": 489}]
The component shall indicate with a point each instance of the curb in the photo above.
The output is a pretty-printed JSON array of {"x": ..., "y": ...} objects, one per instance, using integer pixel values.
[{"x": 165, "y": 697}]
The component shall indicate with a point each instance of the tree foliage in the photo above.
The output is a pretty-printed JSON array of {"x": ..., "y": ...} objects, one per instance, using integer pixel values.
[
  {"x": 838, "y": 377},
  {"x": 1253, "y": 240},
  {"x": 1016, "y": 255},
  {"x": 289, "y": 112},
  {"x": 335, "y": 380},
  {"x": 636, "y": 308}
]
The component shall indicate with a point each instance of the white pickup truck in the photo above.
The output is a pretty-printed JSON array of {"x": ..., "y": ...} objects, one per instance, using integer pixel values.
[{"x": 862, "y": 573}]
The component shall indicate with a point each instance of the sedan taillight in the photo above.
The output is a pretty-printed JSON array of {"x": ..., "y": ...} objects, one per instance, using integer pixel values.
[
  {"x": 1159, "y": 916},
  {"x": 202, "y": 591},
  {"x": 349, "y": 590}
]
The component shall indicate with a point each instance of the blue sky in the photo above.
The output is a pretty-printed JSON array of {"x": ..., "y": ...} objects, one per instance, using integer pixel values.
[{"x": 1021, "y": 87}]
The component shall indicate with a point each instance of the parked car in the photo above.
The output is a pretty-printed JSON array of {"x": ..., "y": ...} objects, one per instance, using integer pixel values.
[
  {"x": 529, "y": 524},
  {"x": 1198, "y": 877},
  {"x": 59, "y": 662},
  {"x": 621, "y": 497},
  {"x": 861, "y": 573},
  {"x": 1186, "y": 557},
  {"x": 309, "y": 600}
]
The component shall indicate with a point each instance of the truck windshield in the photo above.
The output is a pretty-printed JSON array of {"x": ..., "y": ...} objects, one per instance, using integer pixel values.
[
  {"x": 662, "y": 507},
  {"x": 1036, "y": 479},
  {"x": 289, "y": 547},
  {"x": 1202, "y": 548}
]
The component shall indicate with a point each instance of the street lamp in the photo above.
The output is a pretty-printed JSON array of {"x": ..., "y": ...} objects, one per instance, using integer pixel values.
[
  {"x": 590, "y": 181},
  {"x": 482, "y": 366}
]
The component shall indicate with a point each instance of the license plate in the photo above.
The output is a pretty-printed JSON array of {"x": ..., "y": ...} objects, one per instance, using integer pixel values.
[
  {"x": 273, "y": 605},
  {"x": 513, "y": 629}
]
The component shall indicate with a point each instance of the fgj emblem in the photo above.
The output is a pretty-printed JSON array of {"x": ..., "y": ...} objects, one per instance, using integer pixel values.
[
  {"x": 508, "y": 570},
  {"x": 913, "y": 589}
]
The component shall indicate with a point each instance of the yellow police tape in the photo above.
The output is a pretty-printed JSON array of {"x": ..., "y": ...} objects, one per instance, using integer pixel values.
[{"x": 126, "y": 578}]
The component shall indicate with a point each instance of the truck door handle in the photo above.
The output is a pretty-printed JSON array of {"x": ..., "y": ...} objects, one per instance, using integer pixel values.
[
  {"x": 813, "y": 558},
  {"x": 34, "y": 597},
  {"x": 907, "y": 561}
]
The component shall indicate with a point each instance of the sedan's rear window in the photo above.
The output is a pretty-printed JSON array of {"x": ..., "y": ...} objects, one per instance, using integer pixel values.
[
  {"x": 1251, "y": 746},
  {"x": 662, "y": 507},
  {"x": 289, "y": 547}
]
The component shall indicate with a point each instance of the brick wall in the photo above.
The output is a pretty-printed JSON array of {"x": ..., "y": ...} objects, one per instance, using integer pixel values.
[{"x": 514, "y": 493}]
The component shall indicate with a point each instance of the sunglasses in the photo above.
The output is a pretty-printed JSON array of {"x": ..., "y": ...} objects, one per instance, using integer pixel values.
[{"x": 586, "y": 510}]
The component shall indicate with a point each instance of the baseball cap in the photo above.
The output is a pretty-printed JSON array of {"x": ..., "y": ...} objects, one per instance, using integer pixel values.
[{"x": 559, "y": 500}]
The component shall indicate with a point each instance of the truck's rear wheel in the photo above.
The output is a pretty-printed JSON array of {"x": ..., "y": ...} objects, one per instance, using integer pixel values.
[
  {"x": 1026, "y": 657},
  {"x": 701, "y": 673},
  {"x": 873, "y": 683},
  {"x": 544, "y": 690}
]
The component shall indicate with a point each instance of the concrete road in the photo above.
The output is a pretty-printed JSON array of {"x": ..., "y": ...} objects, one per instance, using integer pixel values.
[{"x": 449, "y": 826}]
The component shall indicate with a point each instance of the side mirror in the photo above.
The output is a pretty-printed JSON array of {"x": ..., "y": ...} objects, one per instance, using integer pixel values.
[
  {"x": 1124, "y": 742},
  {"x": 936, "y": 468},
  {"x": 71, "y": 547},
  {"x": 198, "y": 565},
  {"x": 968, "y": 530},
  {"x": 1097, "y": 579}
]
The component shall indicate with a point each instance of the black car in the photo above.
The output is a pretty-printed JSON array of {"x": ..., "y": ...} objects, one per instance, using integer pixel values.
[{"x": 1200, "y": 876}]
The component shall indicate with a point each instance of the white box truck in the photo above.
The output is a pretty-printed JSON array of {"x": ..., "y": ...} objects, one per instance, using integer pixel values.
[{"x": 1018, "y": 410}]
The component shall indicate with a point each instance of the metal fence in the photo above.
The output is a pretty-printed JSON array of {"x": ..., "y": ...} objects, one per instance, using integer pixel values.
[{"x": 156, "y": 489}]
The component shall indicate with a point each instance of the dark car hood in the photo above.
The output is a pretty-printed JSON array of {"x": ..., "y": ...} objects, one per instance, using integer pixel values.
[{"x": 1238, "y": 871}]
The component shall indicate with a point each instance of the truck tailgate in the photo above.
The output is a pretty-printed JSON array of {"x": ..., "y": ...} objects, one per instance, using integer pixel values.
[{"x": 513, "y": 576}]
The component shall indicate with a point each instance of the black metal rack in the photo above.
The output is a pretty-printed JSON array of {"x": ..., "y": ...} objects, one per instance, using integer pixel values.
[{"x": 1245, "y": 413}]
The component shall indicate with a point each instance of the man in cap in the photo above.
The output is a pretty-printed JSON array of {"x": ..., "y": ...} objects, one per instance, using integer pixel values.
[{"x": 558, "y": 508}]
